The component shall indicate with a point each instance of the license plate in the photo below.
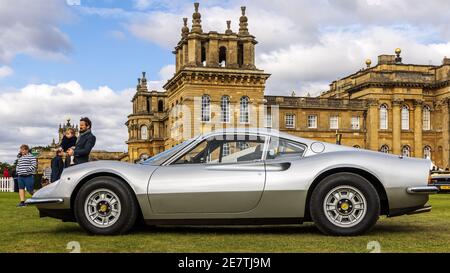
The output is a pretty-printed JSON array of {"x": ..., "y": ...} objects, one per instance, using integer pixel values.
[{"x": 445, "y": 187}]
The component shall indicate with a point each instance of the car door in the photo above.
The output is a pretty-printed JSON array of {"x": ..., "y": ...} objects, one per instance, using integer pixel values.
[{"x": 222, "y": 174}]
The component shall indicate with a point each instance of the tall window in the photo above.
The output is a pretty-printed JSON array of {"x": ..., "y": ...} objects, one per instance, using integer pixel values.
[
  {"x": 312, "y": 121},
  {"x": 160, "y": 106},
  {"x": 225, "y": 107},
  {"x": 226, "y": 149},
  {"x": 268, "y": 120},
  {"x": 206, "y": 108},
  {"x": 405, "y": 117},
  {"x": 427, "y": 152},
  {"x": 245, "y": 111},
  {"x": 222, "y": 56},
  {"x": 384, "y": 149},
  {"x": 290, "y": 121},
  {"x": 406, "y": 151},
  {"x": 334, "y": 122},
  {"x": 144, "y": 132},
  {"x": 383, "y": 117},
  {"x": 355, "y": 123},
  {"x": 426, "y": 115}
]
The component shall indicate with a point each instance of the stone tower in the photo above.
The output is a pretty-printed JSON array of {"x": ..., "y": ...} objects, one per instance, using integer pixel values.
[
  {"x": 211, "y": 68},
  {"x": 146, "y": 131}
]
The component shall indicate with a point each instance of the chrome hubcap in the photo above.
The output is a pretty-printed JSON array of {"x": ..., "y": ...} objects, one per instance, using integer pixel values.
[
  {"x": 102, "y": 208},
  {"x": 345, "y": 206}
]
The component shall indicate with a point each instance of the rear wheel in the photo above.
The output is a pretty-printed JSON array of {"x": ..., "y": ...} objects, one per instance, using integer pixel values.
[
  {"x": 345, "y": 204},
  {"x": 105, "y": 205}
]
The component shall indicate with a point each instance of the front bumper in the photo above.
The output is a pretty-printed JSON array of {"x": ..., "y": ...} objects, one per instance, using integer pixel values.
[
  {"x": 40, "y": 201},
  {"x": 423, "y": 190}
]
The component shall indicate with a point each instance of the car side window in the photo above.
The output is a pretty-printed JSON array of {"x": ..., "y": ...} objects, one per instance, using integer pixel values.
[
  {"x": 225, "y": 149},
  {"x": 282, "y": 148}
]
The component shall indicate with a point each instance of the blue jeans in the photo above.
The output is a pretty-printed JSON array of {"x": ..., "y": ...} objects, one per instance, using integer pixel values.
[{"x": 26, "y": 182}]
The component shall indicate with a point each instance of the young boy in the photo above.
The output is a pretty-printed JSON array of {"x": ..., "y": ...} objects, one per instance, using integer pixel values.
[{"x": 68, "y": 141}]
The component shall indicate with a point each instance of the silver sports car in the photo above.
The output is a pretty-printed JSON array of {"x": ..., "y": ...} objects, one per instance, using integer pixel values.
[{"x": 241, "y": 176}]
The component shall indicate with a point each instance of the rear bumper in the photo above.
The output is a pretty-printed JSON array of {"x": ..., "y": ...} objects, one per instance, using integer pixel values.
[
  {"x": 39, "y": 201},
  {"x": 423, "y": 190}
]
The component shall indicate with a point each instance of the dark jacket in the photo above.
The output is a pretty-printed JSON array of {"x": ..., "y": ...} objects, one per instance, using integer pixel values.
[
  {"x": 57, "y": 166},
  {"x": 66, "y": 143},
  {"x": 83, "y": 147}
]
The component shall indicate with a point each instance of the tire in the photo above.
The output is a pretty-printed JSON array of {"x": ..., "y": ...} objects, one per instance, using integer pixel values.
[
  {"x": 352, "y": 212},
  {"x": 115, "y": 210}
]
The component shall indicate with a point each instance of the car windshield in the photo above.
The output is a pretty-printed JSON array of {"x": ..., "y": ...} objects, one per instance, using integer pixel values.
[{"x": 163, "y": 156}]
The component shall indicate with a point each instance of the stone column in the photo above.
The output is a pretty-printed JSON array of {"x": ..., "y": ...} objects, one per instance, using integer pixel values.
[
  {"x": 445, "y": 133},
  {"x": 396, "y": 126},
  {"x": 372, "y": 124},
  {"x": 418, "y": 127}
]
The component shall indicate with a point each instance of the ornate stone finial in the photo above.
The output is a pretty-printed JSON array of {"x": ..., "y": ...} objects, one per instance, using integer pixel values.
[
  {"x": 293, "y": 94},
  {"x": 196, "y": 20},
  {"x": 185, "y": 28},
  {"x": 243, "y": 22},
  {"x": 143, "y": 84},
  {"x": 228, "y": 31},
  {"x": 138, "y": 86},
  {"x": 368, "y": 63},
  {"x": 398, "y": 59},
  {"x": 68, "y": 122}
]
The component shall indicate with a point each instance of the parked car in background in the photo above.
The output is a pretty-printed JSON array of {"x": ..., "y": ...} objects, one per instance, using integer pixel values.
[
  {"x": 441, "y": 180},
  {"x": 242, "y": 176}
]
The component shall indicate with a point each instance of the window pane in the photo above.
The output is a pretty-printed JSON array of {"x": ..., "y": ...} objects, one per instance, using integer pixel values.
[
  {"x": 334, "y": 122},
  {"x": 355, "y": 123},
  {"x": 405, "y": 118},
  {"x": 312, "y": 121},
  {"x": 281, "y": 148},
  {"x": 194, "y": 156},
  {"x": 290, "y": 121}
]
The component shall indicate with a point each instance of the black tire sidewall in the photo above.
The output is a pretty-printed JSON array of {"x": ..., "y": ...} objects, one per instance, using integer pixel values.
[
  {"x": 342, "y": 179},
  {"x": 128, "y": 204}
]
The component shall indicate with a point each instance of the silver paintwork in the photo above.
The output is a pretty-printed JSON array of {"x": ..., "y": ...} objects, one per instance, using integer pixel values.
[{"x": 252, "y": 190}]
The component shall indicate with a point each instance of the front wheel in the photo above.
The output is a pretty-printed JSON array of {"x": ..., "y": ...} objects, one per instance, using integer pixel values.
[
  {"x": 105, "y": 205},
  {"x": 345, "y": 204}
]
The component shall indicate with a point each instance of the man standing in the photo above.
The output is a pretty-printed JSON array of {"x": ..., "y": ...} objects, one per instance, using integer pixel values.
[
  {"x": 85, "y": 143},
  {"x": 26, "y": 168}
]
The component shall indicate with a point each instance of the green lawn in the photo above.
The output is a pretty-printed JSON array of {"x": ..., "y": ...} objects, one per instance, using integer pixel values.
[{"x": 22, "y": 231}]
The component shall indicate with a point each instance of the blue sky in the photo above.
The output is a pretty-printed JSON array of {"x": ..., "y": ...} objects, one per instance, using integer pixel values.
[
  {"x": 59, "y": 61},
  {"x": 96, "y": 56}
]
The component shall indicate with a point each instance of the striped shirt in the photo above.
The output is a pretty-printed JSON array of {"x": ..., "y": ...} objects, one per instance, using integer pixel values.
[{"x": 26, "y": 165}]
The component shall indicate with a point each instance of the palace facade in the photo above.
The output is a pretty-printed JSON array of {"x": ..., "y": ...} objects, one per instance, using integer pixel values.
[{"x": 393, "y": 107}]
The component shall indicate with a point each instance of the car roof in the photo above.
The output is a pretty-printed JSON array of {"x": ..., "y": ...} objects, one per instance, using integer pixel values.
[{"x": 259, "y": 131}]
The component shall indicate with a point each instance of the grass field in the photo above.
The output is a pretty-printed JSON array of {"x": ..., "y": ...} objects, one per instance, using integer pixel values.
[{"x": 22, "y": 231}]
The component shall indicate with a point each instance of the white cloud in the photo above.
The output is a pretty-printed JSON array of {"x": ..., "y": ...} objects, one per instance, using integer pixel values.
[
  {"x": 308, "y": 44},
  {"x": 32, "y": 115},
  {"x": 5, "y": 71},
  {"x": 31, "y": 27}
]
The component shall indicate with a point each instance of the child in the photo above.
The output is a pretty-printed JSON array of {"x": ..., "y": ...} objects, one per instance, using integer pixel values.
[{"x": 69, "y": 140}]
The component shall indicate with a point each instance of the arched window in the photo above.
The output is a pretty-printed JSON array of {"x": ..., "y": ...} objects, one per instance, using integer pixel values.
[
  {"x": 144, "y": 132},
  {"x": 405, "y": 117},
  {"x": 384, "y": 149},
  {"x": 383, "y": 117},
  {"x": 427, "y": 152},
  {"x": 206, "y": 108},
  {"x": 406, "y": 151},
  {"x": 426, "y": 116},
  {"x": 356, "y": 146},
  {"x": 244, "y": 115},
  {"x": 222, "y": 56},
  {"x": 160, "y": 106},
  {"x": 225, "y": 109}
]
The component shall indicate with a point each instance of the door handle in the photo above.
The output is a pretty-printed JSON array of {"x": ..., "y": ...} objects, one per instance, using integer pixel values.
[{"x": 277, "y": 167}]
